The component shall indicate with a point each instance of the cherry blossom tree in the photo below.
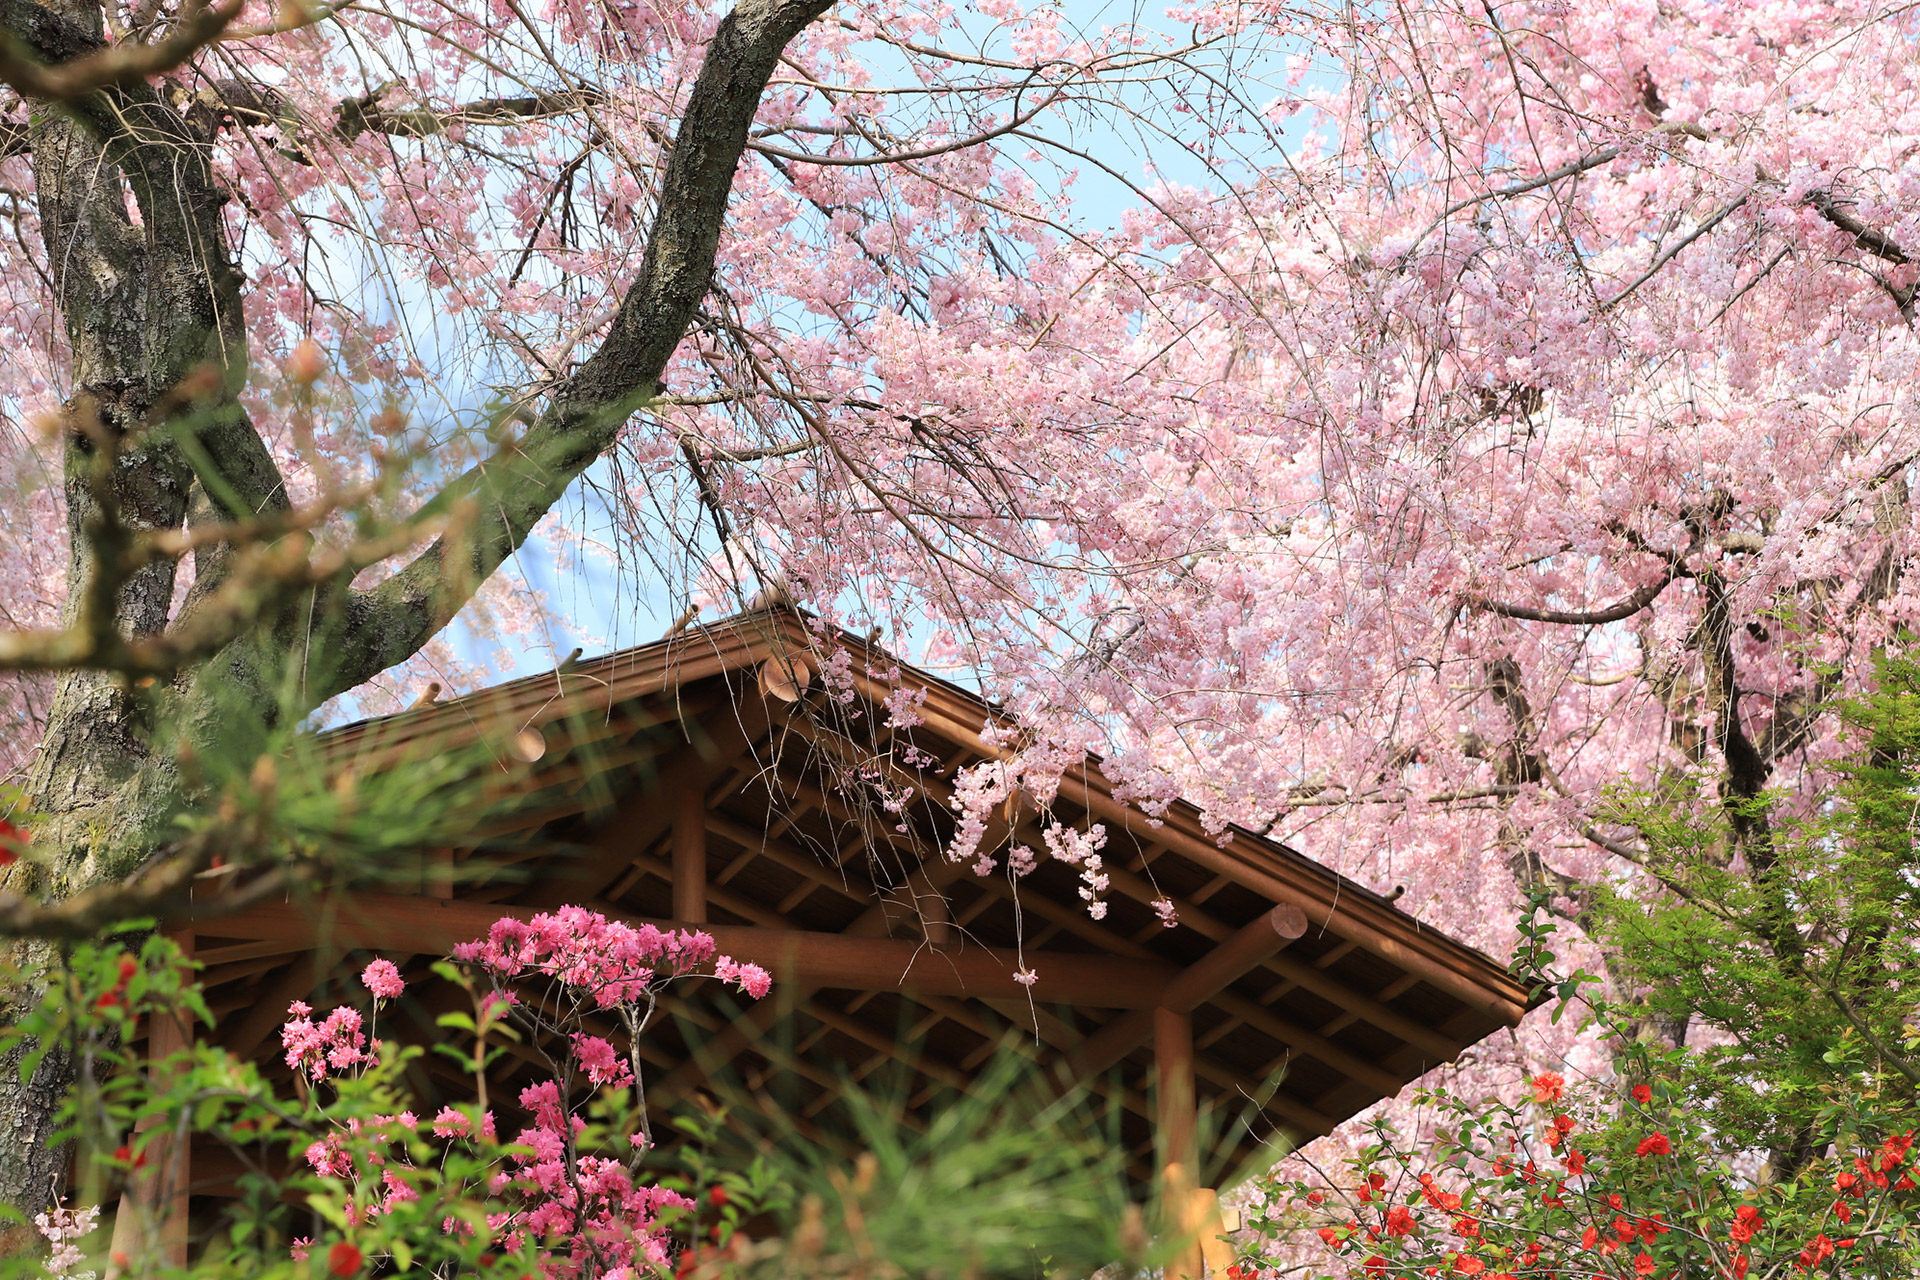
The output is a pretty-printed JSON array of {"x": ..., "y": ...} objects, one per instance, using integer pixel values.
[{"x": 1512, "y": 402}]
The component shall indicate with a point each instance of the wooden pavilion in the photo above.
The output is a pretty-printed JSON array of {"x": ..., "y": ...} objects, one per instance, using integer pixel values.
[{"x": 746, "y": 778}]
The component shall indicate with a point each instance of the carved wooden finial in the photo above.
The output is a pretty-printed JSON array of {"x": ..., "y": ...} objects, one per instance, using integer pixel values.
[
  {"x": 682, "y": 622},
  {"x": 428, "y": 696}
]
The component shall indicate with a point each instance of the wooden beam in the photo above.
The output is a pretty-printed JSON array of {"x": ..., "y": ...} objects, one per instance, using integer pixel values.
[
  {"x": 270, "y": 1010},
  {"x": 1258, "y": 942},
  {"x": 647, "y": 812},
  {"x": 397, "y": 923},
  {"x": 758, "y": 844},
  {"x": 690, "y": 855},
  {"x": 1254, "y": 944}
]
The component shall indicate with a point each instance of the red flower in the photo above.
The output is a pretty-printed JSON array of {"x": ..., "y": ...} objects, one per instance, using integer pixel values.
[
  {"x": 1562, "y": 1126},
  {"x": 1655, "y": 1144},
  {"x": 1643, "y": 1265},
  {"x": 343, "y": 1260},
  {"x": 1376, "y": 1266},
  {"x": 1549, "y": 1086},
  {"x": 716, "y": 1196},
  {"x": 1576, "y": 1162},
  {"x": 1817, "y": 1248},
  {"x": 1589, "y": 1237},
  {"x": 1739, "y": 1266},
  {"x": 11, "y": 839},
  {"x": 1642, "y": 1094},
  {"x": 1468, "y": 1265},
  {"x": 1400, "y": 1221},
  {"x": 1746, "y": 1221}
]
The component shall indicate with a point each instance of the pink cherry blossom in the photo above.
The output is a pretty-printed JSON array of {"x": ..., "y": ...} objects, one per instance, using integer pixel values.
[{"x": 382, "y": 979}]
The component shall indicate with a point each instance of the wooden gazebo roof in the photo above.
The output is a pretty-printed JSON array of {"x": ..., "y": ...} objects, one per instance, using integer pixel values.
[{"x": 696, "y": 781}]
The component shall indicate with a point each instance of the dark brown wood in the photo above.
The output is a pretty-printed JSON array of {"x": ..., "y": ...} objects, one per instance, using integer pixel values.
[
  {"x": 690, "y": 856},
  {"x": 266, "y": 1014},
  {"x": 399, "y": 924},
  {"x": 713, "y": 746},
  {"x": 1254, "y": 944},
  {"x": 1175, "y": 1110}
]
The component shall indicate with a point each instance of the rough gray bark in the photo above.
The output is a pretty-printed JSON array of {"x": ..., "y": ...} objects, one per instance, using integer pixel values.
[{"x": 145, "y": 306}]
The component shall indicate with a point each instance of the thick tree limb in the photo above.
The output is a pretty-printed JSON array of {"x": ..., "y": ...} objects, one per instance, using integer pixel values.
[
  {"x": 366, "y": 115},
  {"x": 511, "y": 491},
  {"x": 1877, "y": 243},
  {"x": 77, "y": 65},
  {"x": 1622, "y": 609}
]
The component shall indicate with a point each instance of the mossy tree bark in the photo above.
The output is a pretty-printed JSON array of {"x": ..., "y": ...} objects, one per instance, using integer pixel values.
[{"x": 147, "y": 304}]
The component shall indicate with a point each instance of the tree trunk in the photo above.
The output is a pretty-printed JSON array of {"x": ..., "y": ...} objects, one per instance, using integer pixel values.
[{"x": 148, "y": 302}]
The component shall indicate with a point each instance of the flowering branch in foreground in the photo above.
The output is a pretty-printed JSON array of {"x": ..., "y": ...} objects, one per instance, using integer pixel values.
[{"x": 566, "y": 1188}]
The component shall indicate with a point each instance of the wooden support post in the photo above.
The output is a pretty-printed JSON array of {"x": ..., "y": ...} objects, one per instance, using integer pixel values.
[
  {"x": 690, "y": 856},
  {"x": 152, "y": 1217},
  {"x": 1174, "y": 1097},
  {"x": 1175, "y": 1123},
  {"x": 439, "y": 874}
]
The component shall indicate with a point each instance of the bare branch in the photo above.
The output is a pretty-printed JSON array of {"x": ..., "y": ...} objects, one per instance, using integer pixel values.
[{"x": 158, "y": 887}]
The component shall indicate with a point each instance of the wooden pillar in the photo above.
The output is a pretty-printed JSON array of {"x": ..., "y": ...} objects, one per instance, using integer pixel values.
[
  {"x": 437, "y": 880},
  {"x": 152, "y": 1217},
  {"x": 690, "y": 856},
  {"x": 1175, "y": 1113},
  {"x": 1191, "y": 1212}
]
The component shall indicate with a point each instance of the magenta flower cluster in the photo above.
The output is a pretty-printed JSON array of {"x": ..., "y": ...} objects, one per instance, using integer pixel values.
[
  {"x": 587, "y": 1213},
  {"x": 613, "y": 962}
]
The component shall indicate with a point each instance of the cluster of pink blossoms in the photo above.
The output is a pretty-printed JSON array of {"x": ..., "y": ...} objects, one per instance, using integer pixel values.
[
  {"x": 336, "y": 1043},
  {"x": 339, "y": 1042},
  {"x": 591, "y": 1199},
  {"x": 614, "y": 963},
  {"x": 587, "y": 1210}
]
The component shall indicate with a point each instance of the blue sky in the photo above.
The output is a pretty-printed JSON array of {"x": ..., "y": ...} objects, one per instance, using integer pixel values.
[{"x": 598, "y": 608}]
